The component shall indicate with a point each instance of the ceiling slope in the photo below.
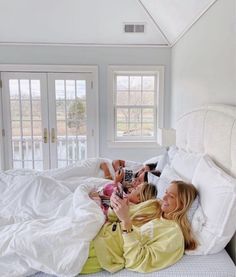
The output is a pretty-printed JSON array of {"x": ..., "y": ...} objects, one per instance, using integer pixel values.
[
  {"x": 92, "y": 22},
  {"x": 175, "y": 17}
]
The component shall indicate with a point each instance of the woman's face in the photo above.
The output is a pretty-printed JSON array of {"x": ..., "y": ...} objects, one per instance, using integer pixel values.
[
  {"x": 138, "y": 180},
  {"x": 170, "y": 199},
  {"x": 134, "y": 195}
]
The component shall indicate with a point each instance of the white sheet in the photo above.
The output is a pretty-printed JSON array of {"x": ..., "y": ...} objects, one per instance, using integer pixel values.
[{"x": 47, "y": 220}]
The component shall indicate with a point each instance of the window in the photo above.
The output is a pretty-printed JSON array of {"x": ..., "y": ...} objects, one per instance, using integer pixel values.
[{"x": 136, "y": 104}]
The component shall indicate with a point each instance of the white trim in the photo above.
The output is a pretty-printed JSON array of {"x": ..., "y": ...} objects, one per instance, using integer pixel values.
[
  {"x": 112, "y": 69},
  {"x": 49, "y": 68},
  {"x": 1, "y": 126},
  {"x": 154, "y": 22},
  {"x": 16, "y": 43}
]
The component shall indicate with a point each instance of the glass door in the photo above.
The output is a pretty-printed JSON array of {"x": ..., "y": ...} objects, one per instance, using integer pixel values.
[
  {"x": 70, "y": 120},
  {"x": 25, "y": 122},
  {"x": 50, "y": 119}
]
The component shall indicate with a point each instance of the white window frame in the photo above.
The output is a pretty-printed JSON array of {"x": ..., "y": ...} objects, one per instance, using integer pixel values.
[{"x": 113, "y": 70}]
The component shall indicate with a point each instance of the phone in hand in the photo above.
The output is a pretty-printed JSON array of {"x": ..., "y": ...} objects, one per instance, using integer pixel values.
[{"x": 119, "y": 192}]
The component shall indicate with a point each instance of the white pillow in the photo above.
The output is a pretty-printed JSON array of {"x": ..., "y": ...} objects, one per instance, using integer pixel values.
[
  {"x": 217, "y": 192},
  {"x": 162, "y": 162},
  {"x": 152, "y": 179},
  {"x": 170, "y": 174},
  {"x": 185, "y": 163},
  {"x": 153, "y": 160}
]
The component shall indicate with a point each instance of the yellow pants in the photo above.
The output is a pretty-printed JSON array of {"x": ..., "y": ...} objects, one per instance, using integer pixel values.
[{"x": 92, "y": 264}]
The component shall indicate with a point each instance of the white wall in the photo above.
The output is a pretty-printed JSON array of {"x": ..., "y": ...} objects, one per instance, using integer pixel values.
[
  {"x": 204, "y": 61},
  {"x": 101, "y": 56}
]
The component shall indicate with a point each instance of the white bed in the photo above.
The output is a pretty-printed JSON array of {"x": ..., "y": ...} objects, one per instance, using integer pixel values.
[{"x": 209, "y": 130}]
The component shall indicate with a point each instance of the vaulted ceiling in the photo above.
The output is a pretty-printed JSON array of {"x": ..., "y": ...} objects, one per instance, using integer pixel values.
[{"x": 98, "y": 22}]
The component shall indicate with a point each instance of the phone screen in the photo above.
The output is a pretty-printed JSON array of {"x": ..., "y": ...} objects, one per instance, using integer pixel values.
[{"x": 119, "y": 192}]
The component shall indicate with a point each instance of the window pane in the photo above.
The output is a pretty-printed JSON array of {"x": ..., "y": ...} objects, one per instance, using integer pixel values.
[
  {"x": 35, "y": 89},
  {"x": 37, "y": 129},
  {"x": 148, "y": 98},
  {"x": 148, "y": 115},
  {"x": 38, "y": 150},
  {"x": 122, "y": 82},
  {"x": 27, "y": 149},
  {"x": 60, "y": 89},
  {"x": 60, "y": 109},
  {"x": 15, "y": 128},
  {"x": 135, "y": 82},
  {"x": 14, "y": 89},
  {"x": 135, "y": 129},
  {"x": 122, "y": 115},
  {"x": 28, "y": 164},
  {"x": 135, "y": 115},
  {"x": 16, "y": 148},
  {"x": 26, "y": 128},
  {"x": 61, "y": 148},
  {"x": 62, "y": 163},
  {"x": 148, "y": 130},
  {"x": 76, "y": 116},
  {"x": 135, "y": 97},
  {"x": 70, "y": 89},
  {"x": 148, "y": 82},
  {"x": 24, "y": 89},
  {"x": 38, "y": 165},
  {"x": 122, "y": 129},
  {"x": 122, "y": 98},
  {"x": 61, "y": 128},
  {"x": 15, "y": 110},
  {"x": 81, "y": 89},
  {"x": 36, "y": 110},
  {"x": 26, "y": 110},
  {"x": 17, "y": 164}
]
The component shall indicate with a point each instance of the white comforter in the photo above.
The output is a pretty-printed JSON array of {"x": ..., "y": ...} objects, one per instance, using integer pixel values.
[{"x": 47, "y": 221}]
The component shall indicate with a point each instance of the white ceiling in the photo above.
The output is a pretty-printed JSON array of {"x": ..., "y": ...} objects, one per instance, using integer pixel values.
[{"x": 97, "y": 22}]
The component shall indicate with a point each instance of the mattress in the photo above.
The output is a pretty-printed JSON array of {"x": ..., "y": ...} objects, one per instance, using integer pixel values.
[{"x": 215, "y": 265}]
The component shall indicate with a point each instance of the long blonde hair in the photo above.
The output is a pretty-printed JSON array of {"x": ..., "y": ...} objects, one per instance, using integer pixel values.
[
  {"x": 150, "y": 209},
  {"x": 186, "y": 193}
]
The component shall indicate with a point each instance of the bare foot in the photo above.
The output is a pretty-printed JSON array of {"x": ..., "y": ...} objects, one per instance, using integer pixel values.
[{"x": 105, "y": 168}]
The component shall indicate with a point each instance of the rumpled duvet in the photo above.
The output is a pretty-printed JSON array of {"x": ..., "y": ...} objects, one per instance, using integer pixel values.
[{"x": 47, "y": 220}]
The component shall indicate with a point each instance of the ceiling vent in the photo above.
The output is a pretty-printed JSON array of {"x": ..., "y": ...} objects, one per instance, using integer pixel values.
[{"x": 134, "y": 28}]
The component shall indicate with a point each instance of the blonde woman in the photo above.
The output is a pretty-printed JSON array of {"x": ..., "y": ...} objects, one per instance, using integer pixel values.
[{"x": 150, "y": 238}]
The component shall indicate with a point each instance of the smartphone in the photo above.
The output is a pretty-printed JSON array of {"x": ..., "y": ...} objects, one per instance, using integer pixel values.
[
  {"x": 120, "y": 170},
  {"x": 119, "y": 192}
]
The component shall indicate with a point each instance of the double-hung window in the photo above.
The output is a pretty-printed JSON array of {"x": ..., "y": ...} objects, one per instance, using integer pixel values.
[{"x": 136, "y": 100}]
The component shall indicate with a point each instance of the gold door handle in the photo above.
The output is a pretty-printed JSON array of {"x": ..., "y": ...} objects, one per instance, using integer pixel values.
[
  {"x": 45, "y": 135},
  {"x": 53, "y": 135}
]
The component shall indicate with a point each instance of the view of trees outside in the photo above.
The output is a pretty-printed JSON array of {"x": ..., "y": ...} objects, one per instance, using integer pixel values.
[
  {"x": 135, "y": 105},
  {"x": 26, "y": 122}
]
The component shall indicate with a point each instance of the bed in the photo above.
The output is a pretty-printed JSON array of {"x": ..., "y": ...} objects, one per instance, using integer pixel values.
[{"x": 209, "y": 130}]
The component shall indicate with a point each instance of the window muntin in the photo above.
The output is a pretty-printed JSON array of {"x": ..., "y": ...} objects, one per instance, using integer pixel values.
[{"x": 135, "y": 105}]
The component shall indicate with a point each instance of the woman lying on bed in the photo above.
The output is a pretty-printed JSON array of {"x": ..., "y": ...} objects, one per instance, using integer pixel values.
[{"x": 151, "y": 237}]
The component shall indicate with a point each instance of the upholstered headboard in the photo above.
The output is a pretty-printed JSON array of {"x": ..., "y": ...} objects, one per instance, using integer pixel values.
[{"x": 211, "y": 130}]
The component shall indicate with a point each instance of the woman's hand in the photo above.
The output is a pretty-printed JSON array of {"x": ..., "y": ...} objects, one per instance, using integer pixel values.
[
  {"x": 119, "y": 175},
  {"x": 120, "y": 206}
]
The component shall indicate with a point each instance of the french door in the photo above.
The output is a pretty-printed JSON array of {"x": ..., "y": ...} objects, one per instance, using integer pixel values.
[{"x": 48, "y": 119}]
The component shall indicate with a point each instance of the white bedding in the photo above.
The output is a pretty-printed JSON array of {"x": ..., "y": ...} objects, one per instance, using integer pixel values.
[{"x": 47, "y": 220}]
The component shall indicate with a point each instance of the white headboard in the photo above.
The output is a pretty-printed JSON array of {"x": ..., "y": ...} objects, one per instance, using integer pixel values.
[{"x": 211, "y": 130}]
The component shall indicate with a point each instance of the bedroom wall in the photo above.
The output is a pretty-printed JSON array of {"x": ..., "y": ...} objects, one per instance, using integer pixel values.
[
  {"x": 101, "y": 56},
  {"x": 204, "y": 61}
]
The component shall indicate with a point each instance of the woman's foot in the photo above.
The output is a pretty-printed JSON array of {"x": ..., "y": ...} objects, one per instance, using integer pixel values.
[{"x": 105, "y": 168}]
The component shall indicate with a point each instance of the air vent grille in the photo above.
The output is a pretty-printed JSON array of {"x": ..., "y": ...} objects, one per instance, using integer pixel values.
[{"x": 134, "y": 28}]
